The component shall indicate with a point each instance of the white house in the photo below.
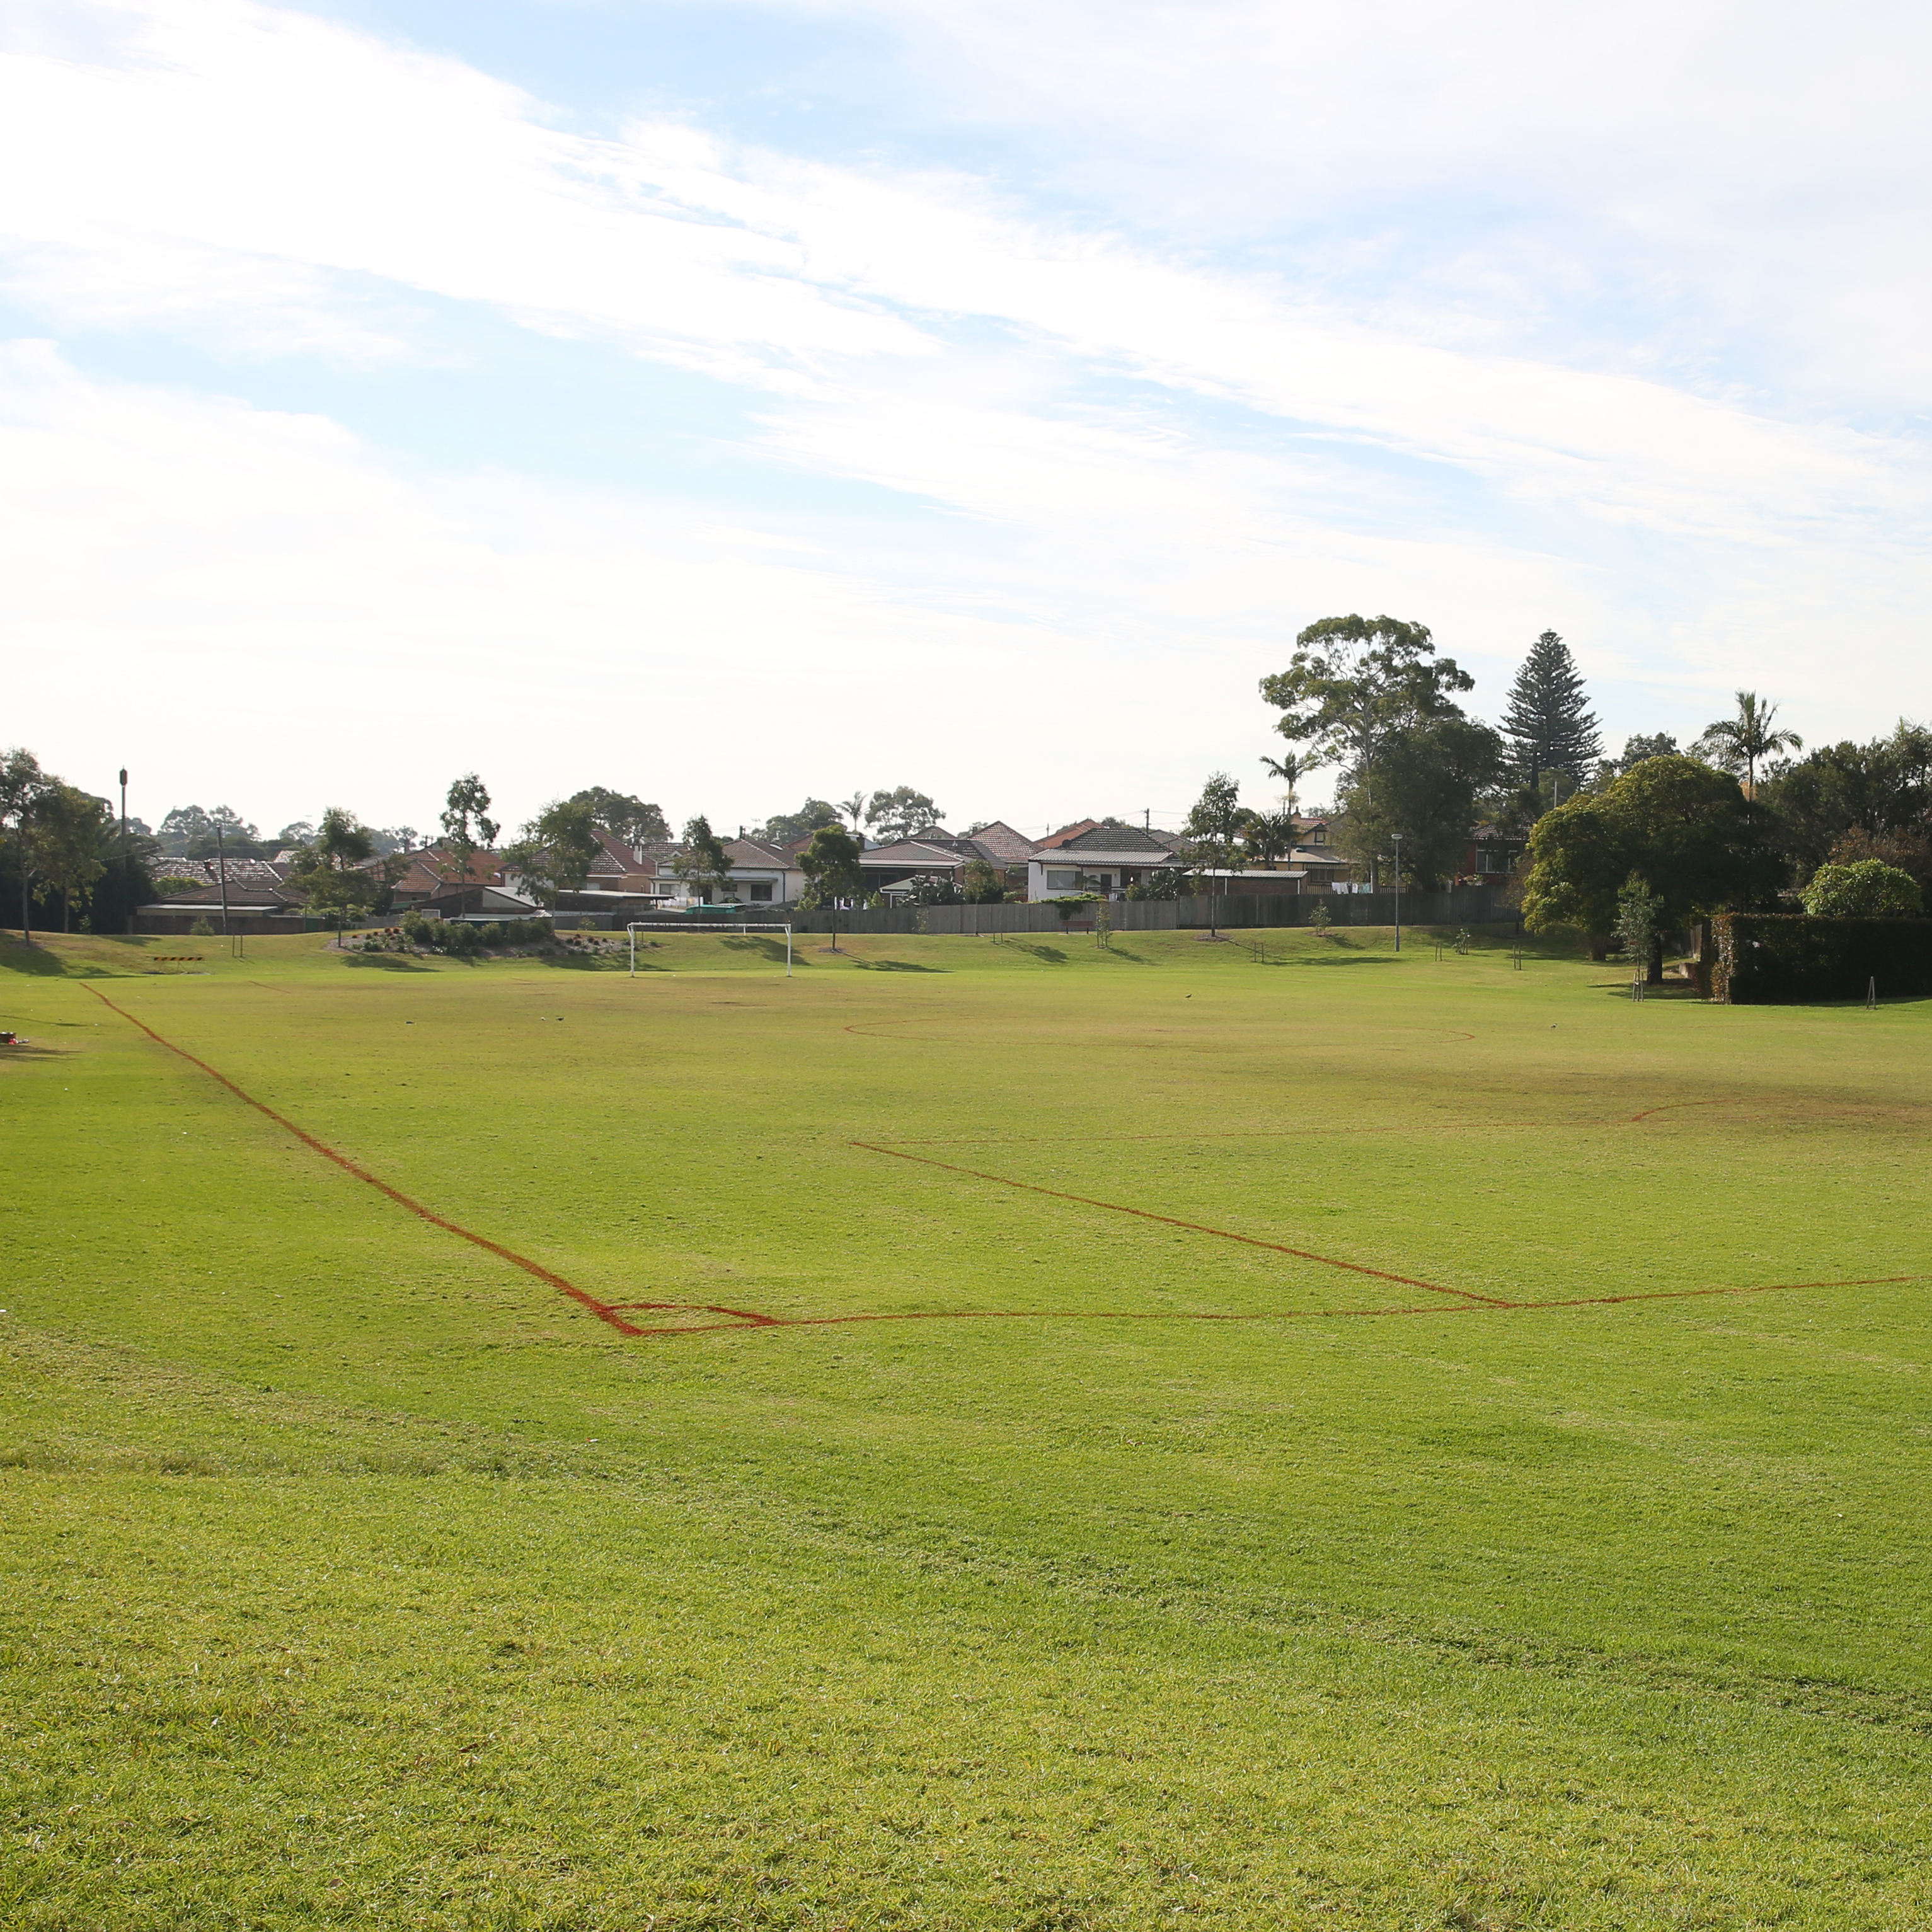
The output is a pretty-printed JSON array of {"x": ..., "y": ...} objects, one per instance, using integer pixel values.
[{"x": 1107, "y": 860}]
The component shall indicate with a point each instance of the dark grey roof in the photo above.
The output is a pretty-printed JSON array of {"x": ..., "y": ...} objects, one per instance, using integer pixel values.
[{"x": 1114, "y": 839}]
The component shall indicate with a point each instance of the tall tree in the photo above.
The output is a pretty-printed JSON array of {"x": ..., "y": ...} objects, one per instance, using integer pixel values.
[
  {"x": 1883, "y": 788},
  {"x": 65, "y": 829},
  {"x": 785, "y": 828},
  {"x": 21, "y": 781},
  {"x": 1427, "y": 779},
  {"x": 624, "y": 816},
  {"x": 1684, "y": 830},
  {"x": 702, "y": 861},
  {"x": 853, "y": 808},
  {"x": 1354, "y": 681},
  {"x": 831, "y": 866},
  {"x": 557, "y": 849},
  {"x": 899, "y": 813},
  {"x": 1751, "y": 733},
  {"x": 1547, "y": 719},
  {"x": 467, "y": 829},
  {"x": 1213, "y": 829},
  {"x": 333, "y": 869},
  {"x": 1291, "y": 768}
]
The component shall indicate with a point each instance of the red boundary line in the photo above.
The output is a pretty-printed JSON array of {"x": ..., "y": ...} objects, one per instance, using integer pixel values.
[
  {"x": 1192, "y": 1227},
  {"x": 602, "y": 1310}
]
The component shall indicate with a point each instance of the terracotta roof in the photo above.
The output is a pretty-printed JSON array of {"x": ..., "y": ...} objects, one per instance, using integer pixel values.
[
  {"x": 1067, "y": 832},
  {"x": 1002, "y": 844}
]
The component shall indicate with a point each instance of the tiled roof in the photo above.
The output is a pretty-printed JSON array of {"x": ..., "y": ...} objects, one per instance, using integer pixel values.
[
  {"x": 1116, "y": 839},
  {"x": 1002, "y": 844}
]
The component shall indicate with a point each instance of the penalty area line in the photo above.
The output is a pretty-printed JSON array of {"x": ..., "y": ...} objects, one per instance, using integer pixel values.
[
  {"x": 602, "y": 1310},
  {"x": 1192, "y": 1227}
]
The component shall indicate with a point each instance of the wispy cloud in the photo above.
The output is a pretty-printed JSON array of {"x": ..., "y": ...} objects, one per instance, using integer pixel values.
[{"x": 1130, "y": 455}]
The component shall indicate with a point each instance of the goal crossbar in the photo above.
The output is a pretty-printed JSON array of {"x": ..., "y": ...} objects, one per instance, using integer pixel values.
[{"x": 637, "y": 926}]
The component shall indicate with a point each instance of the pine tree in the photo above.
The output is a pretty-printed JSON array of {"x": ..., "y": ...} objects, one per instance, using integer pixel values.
[{"x": 1547, "y": 717}]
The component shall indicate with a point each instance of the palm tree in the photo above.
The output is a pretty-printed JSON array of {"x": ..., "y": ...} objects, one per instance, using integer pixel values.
[
  {"x": 1291, "y": 769},
  {"x": 1749, "y": 736}
]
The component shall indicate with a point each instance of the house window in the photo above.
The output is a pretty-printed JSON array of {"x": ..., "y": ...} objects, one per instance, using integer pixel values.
[
  {"x": 1488, "y": 862},
  {"x": 761, "y": 894},
  {"x": 1062, "y": 882}
]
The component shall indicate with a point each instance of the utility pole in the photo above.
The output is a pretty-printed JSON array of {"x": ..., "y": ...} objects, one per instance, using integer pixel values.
[
  {"x": 127, "y": 871},
  {"x": 221, "y": 870}
]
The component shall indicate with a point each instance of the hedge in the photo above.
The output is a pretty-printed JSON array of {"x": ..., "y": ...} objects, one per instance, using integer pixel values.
[{"x": 1785, "y": 959}]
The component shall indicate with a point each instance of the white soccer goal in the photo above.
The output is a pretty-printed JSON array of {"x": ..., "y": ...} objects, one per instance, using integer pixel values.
[{"x": 694, "y": 925}]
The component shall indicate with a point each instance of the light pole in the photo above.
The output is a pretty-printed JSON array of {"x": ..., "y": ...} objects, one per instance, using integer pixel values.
[
  {"x": 1396, "y": 836},
  {"x": 127, "y": 874},
  {"x": 221, "y": 867}
]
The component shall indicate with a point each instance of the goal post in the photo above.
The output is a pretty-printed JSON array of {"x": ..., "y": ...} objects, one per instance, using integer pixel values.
[{"x": 637, "y": 926}]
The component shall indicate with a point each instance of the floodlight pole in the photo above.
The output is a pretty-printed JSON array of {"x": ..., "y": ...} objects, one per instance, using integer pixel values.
[
  {"x": 221, "y": 867},
  {"x": 126, "y": 872},
  {"x": 1397, "y": 837}
]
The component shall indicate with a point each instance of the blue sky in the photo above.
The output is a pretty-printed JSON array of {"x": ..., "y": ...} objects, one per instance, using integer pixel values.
[{"x": 728, "y": 403}]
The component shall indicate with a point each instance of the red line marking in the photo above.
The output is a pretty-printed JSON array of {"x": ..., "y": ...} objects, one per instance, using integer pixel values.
[
  {"x": 602, "y": 1310},
  {"x": 1672, "y": 1106},
  {"x": 1193, "y": 1227}
]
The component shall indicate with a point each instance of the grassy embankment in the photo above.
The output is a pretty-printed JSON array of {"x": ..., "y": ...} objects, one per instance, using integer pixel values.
[{"x": 354, "y": 1575}]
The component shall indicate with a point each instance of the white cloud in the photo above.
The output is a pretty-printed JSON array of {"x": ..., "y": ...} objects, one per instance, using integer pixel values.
[{"x": 1133, "y": 469}]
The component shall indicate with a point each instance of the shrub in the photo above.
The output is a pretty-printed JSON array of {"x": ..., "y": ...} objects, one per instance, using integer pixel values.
[
  {"x": 1319, "y": 917},
  {"x": 416, "y": 927},
  {"x": 492, "y": 934},
  {"x": 1869, "y": 889},
  {"x": 201, "y": 929},
  {"x": 1785, "y": 958}
]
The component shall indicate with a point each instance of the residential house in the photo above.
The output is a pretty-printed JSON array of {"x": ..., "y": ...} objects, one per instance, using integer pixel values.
[{"x": 1103, "y": 859}]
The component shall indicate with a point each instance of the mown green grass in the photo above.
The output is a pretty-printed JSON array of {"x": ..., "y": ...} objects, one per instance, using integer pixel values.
[{"x": 354, "y": 1577}]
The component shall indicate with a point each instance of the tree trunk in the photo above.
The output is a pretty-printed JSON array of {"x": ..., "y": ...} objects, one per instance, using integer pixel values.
[
  {"x": 1599, "y": 947},
  {"x": 1653, "y": 974}
]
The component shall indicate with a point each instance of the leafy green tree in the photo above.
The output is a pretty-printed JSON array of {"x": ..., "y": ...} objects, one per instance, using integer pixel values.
[
  {"x": 786, "y": 828},
  {"x": 853, "y": 808},
  {"x": 930, "y": 889},
  {"x": 833, "y": 872},
  {"x": 1637, "y": 748},
  {"x": 334, "y": 870},
  {"x": 298, "y": 832},
  {"x": 467, "y": 829},
  {"x": 1882, "y": 789},
  {"x": 557, "y": 849},
  {"x": 1684, "y": 828},
  {"x": 1869, "y": 890},
  {"x": 64, "y": 830},
  {"x": 21, "y": 782},
  {"x": 1353, "y": 681},
  {"x": 1908, "y": 852},
  {"x": 1213, "y": 829},
  {"x": 190, "y": 831},
  {"x": 981, "y": 883},
  {"x": 1547, "y": 719},
  {"x": 899, "y": 813},
  {"x": 624, "y": 816},
  {"x": 1740, "y": 743},
  {"x": 1638, "y": 910},
  {"x": 702, "y": 861},
  {"x": 1427, "y": 779}
]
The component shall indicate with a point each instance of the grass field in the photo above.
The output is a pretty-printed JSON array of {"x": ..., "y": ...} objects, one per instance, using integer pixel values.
[{"x": 1493, "y": 1496}]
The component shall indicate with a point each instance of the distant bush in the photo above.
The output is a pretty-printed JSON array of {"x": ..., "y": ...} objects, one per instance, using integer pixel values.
[
  {"x": 1869, "y": 889},
  {"x": 416, "y": 929},
  {"x": 201, "y": 929}
]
